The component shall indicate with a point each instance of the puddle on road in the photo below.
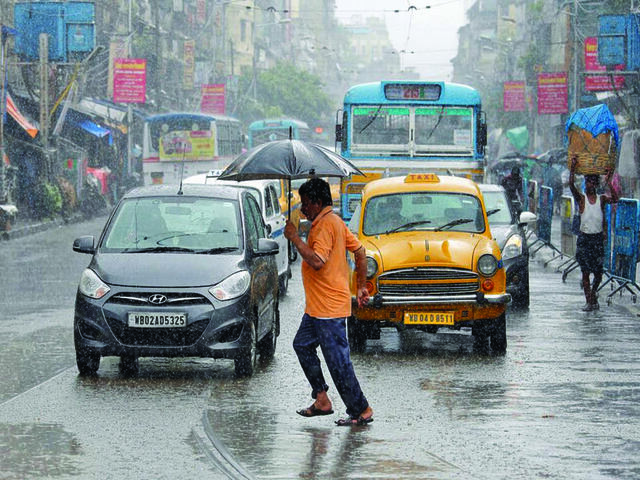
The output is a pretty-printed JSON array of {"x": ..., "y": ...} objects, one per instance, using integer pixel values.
[{"x": 37, "y": 451}]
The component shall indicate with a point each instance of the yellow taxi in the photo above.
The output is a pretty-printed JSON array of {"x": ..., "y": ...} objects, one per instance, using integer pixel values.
[{"x": 431, "y": 260}]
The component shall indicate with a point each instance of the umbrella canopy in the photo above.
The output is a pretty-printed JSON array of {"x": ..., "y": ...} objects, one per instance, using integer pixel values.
[{"x": 288, "y": 159}]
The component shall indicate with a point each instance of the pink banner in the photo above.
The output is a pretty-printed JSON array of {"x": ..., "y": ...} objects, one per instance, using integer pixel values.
[
  {"x": 553, "y": 93},
  {"x": 598, "y": 83},
  {"x": 129, "y": 80},
  {"x": 213, "y": 98},
  {"x": 513, "y": 98}
]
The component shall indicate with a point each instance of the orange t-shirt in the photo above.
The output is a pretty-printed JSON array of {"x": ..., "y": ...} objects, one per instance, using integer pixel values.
[{"x": 327, "y": 289}]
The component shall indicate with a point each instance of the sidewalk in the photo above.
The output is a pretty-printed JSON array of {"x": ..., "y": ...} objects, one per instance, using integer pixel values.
[{"x": 623, "y": 298}]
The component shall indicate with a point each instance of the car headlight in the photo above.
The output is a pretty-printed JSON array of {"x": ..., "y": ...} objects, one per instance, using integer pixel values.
[
  {"x": 372, "y": 267},
  {"x": 513, "y": 247},
  {"x": 91, "y": 285},
  {"x": 487, "y": 265},
  {"x": 231, "y": 287}
]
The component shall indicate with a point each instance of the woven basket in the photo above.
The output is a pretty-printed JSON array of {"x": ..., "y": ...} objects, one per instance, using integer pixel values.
[{"x": 595, "y": 154}]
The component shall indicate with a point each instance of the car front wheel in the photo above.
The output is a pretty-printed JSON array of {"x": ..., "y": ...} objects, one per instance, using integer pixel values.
[
  {"x": 87, "y": 360},
  {"x": 245, "y": 361},
  {"x": 267, "y": 347}
]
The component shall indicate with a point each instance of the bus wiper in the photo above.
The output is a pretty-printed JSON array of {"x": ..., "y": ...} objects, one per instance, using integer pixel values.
[
  {"x": 435, "y": 126},
  {"x": 453, "y": 223},
  {"x": 216, "y": 250},
  {"x": 491, "y": 212},
  {"x": 407, "y": 225},
  {"x": 159, "y": 248},
  {"x": 375, "y": 115}
]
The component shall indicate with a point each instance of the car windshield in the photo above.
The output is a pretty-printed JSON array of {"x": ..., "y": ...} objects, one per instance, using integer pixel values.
[
  {"x": 174, "y": 224},
  {"x": 497, "y": 203},
  {"x": 422, "y": 211}
]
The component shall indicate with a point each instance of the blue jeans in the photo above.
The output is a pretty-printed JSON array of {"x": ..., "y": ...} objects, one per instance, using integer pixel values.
[{"x": 330, "y": 334}]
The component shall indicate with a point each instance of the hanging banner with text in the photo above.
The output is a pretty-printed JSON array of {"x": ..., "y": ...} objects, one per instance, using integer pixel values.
[
  {"x": 598, "y": 83},
  {"x": 213, "y": 98},
  {"x": 129, "y": 80},
  {"x": 553, "y": 93},
  {"x": 189, "y": 64},
  {"x": 513, "y": 98}
]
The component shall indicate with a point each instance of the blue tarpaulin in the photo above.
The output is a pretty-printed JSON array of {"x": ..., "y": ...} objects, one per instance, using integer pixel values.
[
  {"x": 94, "y": 129},
  {"x": 597, "y": 119}
]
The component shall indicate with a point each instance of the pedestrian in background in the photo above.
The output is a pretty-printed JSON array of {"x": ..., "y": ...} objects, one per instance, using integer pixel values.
[
  {"x": 325, "y": 276},
  {"x": 513, "y": 186},
  {"x": 593, "y": 230}
]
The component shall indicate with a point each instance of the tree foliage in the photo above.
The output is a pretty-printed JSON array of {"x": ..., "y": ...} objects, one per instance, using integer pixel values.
[{"x": 283, "y": 90}]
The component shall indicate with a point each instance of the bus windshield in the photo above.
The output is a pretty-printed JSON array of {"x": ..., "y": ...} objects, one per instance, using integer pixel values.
[
  {"x": 445, "y": 128},
  {"x": 160, "y": 128}
]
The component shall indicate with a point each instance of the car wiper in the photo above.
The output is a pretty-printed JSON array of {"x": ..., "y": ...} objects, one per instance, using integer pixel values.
[
  {"x": 491, "y": 212},
  {"x": 453, "y": 223},
  {"x": 159, "y": 248},
  {"x": 217, "y": 250},
  {"x": 408, "y": 225}
]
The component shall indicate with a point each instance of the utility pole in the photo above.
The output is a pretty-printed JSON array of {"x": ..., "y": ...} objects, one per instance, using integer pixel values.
[
  {"x": 44, "y": 99},
  {"x": 130, "y": 166},
  {"x": 574, "y": 18}
]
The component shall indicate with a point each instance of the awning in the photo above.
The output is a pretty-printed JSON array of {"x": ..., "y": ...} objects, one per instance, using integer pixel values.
[
  {"x": 93, "y": 128},
  {"x": 18, "y": 117}
]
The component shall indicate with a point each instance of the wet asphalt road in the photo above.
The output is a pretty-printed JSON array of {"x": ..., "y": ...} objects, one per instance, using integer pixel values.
[{"x": 564, "y": 402}]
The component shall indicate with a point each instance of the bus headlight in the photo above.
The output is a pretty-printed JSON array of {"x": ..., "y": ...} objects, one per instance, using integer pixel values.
[
  {"x": 513, "y": 247},
  {"x": 487, "y": 265},
  {"x": 372, "y": 267}
]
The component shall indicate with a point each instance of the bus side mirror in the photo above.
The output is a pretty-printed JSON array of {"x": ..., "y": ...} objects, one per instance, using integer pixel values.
[
  {"x": 338, "y": 133},
  {"x": 482, "y": 133}
]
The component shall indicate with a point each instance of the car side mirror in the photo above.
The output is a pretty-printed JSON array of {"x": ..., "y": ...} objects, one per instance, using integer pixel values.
[
  {"x": 266, "y": 247},
  {"x": 84, "y": 244},
  {"x": 528, "y": 217}
]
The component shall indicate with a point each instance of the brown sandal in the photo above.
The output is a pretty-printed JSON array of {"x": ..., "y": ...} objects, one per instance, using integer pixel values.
[{"x": 313, "y": 411}]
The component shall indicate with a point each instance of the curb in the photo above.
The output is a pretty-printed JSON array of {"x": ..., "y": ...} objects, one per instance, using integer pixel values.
[{"x": 23, "y": 231}]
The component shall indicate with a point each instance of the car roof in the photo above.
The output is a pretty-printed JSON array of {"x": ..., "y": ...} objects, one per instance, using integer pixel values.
[
  {"x": 205, "y": 178},
  {"x": 190, "y": 190},
  {"x": 446, "y": 183},
  {"x": 490, "y": 187}
]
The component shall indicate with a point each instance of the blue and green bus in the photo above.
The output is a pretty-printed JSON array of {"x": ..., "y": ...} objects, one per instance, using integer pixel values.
[
  {"x": 398, "y": 127},
  {"x": 268, "y": 130}
]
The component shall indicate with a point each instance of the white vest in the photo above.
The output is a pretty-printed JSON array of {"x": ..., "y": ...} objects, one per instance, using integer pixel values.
[{"x": 591, "y": 217}]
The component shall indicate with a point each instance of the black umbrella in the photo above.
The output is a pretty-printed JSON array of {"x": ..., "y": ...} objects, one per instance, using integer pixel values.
[{"x": 288, "y": 159}]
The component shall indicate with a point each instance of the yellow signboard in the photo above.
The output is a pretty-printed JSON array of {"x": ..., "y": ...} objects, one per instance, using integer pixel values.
[{"x": 187, "y": 145}]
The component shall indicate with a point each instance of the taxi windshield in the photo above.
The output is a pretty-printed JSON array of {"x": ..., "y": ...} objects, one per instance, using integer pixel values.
[
  {"x": 433, "y": 211},
  {"x": 170, "y": 224}
]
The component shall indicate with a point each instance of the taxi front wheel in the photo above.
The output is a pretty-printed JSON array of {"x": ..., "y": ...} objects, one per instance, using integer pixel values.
[
  {"x": 357, "y": 335},
  {"x": 498, "y": 334}
]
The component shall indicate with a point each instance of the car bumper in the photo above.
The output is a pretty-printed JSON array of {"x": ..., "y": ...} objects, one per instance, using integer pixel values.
[{"x": 210, "y": 332}]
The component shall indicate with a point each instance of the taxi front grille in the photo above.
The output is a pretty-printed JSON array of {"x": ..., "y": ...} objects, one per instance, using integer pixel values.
[{"x": 421, "y": 282}]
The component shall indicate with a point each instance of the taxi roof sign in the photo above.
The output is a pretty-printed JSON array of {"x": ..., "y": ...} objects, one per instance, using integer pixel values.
[{"x": 421, "y": 178}]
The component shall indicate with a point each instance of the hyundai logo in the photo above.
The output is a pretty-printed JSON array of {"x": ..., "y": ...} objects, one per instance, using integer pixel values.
[{"x": 157, "y": 299}]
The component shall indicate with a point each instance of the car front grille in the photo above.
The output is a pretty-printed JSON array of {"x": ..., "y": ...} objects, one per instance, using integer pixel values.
[
  {"x": 173, "y": 299},
  {"x": 157, "y": 337},
  {"x": 420, "y": 282}
]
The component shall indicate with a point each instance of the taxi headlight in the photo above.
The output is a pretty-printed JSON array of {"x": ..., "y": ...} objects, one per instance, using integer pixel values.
[
  {"x": 513, "y": 247},
  {"x": 91, "y": 285},
  {"x": 231, "y": 287},
  {"x": 487, "y": 265},
  {"x": 372, "y": 267}
]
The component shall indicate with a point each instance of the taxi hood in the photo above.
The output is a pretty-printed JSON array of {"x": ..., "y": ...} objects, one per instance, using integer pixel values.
[{"x": 415, "y": 249}]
